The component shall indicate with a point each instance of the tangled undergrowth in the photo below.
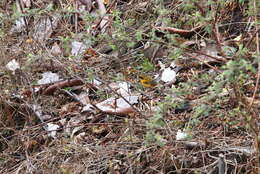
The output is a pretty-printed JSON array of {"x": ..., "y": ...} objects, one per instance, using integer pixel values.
[{"x": 133, "y": 86}]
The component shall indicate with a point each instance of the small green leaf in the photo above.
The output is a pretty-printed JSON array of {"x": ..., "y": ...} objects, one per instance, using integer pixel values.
[{"x": 147, "y": 65}]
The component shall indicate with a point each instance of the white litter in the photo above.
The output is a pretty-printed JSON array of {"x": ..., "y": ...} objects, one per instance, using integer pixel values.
[
  {"x": 78, "y": 48},
  {"x": 13, "y": 65},
  {"x": 52, "y": 128},
  {"x": 168, "y": 75},
  {"x": 124, "y": 88},
  {"x": 48, "y": 77},
  {"x": 56, "y": 50},
  {"x": 96, "y": 82},
  {"x": 182, "y": 135},
  {"x": 19, "y": 25},
  {"x": 114, "y": 105}
]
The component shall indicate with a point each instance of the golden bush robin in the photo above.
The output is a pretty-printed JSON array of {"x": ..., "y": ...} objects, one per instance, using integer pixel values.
[{"x": 147, "y": 81}]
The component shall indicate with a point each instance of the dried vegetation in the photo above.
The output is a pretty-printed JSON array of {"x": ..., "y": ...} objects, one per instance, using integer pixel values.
[{"x": 129, "y": 86}]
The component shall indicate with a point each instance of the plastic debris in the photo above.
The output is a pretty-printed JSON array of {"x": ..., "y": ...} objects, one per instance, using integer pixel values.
[
  {"x": 115, "y": 105},
  {"x": 56, "y": 50},
  {"x": 182, "y": 135},
  {"x": 122, "y": 88},
  {"x": 13, "y": 65},
  {"x": 27, "y": 3},
  {"x": 19, "y": 25},
  {"x": 52, "y": 128},
  {"x": 96, "y": 82},
  {"x": 78, "y": 48},
  {"x": 44, "y": 27},
  {"x": 48, "y": 77},
  {"x": 169, "y": 74}
]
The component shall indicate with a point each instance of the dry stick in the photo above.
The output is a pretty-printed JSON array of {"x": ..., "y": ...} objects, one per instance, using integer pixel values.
[
  {"x": 102, "y": 11},
  {"x": 101, "y": 7},
  {"x": 257, "y": 53},
  {"x": 75, "y": 97},
  {"x": 44, "y": 123},
  {"x": 76, "y": 16},
  {"x": 257, "y": 141},
  {"x": 139, "y": 112},
  {"x": 250, "y": 122},
  {"x": 190, "y": 50},
  {"x": 99, "y": 22},
  {"x": 20, "y": 7},
  {"x": 251, "y": 38},
  {"x": 57, "y": 119},
  {"x": 222, "y": 164},
  {"x": 215, "y": 29},
  {"x": 218, "y": 39},
  {"x": 194, "y": 57},
  {"x": 199, "y": 52}
]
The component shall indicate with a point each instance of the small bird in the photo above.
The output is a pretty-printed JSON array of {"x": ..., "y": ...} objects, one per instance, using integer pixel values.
[{"x": 147, "y": 81}]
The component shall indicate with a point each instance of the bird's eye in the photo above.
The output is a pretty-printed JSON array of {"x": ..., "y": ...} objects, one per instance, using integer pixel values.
[{"x": 141, "y": 77}]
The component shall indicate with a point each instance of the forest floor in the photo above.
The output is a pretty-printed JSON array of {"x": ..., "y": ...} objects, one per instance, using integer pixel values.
[{"x": 129, "y": 86}]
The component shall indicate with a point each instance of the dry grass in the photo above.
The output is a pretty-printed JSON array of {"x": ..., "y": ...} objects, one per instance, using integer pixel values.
[{"x": 102, "y": 142}]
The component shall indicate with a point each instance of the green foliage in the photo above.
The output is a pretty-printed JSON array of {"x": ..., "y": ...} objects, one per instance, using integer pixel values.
[
  {"x": 90, "y": 74},
  {"x": 66, "y": 43},
  {"x": 130, "y": 44},
  {"x": 139, "y": 35},
  {"x": 229, "y": 51},
  {"x": 147, "y": 65},
  {"x": 232, "y": 118},
  {"x": 216, "y": 88},
  {"x": 202, "y": 110},
  {"x": 236, "y": 71},
  {"x": 176, "y": 53},
  {"x": 89, "y": 19},
  {"x": 30, "y": 58},
  {"x": 156, "y": 121},
  {"x": 183, "y": 89},
  {"x": 152, "y": 137}
]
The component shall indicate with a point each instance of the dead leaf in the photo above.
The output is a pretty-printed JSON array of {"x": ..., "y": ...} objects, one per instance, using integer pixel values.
[
  {"x": 115, "y": 105},
  {"x": 98, "y": 129},
  {"x": 55, "y": 49}
]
